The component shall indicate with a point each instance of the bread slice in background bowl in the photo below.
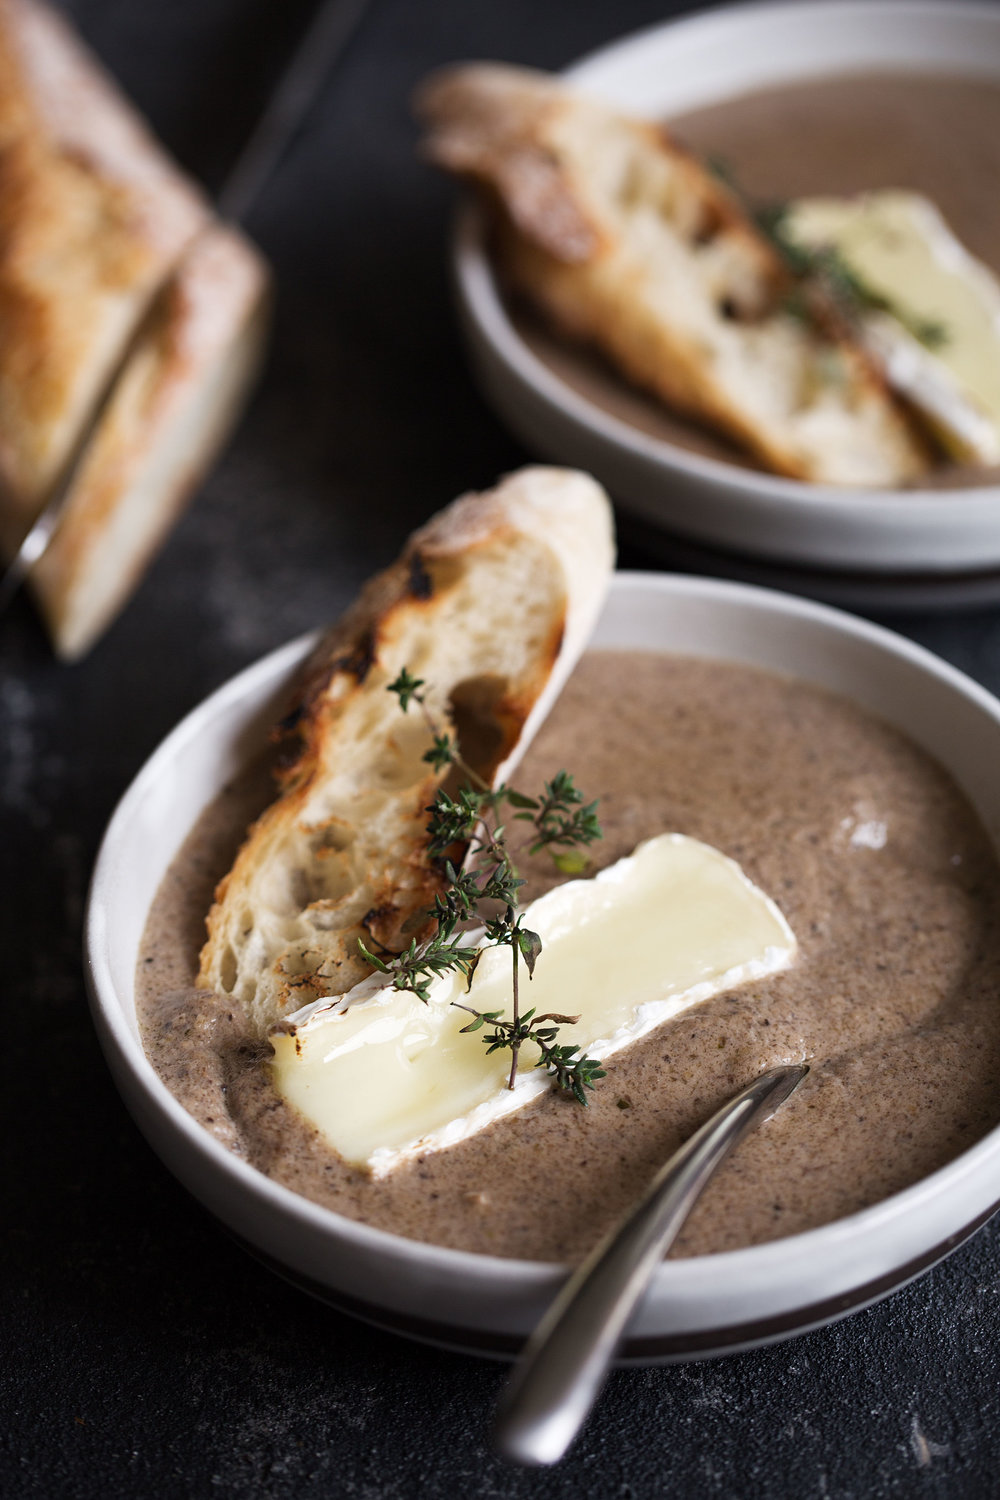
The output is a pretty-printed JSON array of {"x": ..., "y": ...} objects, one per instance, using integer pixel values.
[
  {"x": 626, "y": 242},
  {"x": 660, "y": 73}
]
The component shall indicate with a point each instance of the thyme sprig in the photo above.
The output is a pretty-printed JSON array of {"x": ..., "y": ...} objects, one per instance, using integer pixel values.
[
  {"x": 483, "y": 886},
  {"x": 573, "y": 1071}
]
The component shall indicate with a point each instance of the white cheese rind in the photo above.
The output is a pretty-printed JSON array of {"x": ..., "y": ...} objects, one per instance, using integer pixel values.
[{"x": 384, "y": 1076}]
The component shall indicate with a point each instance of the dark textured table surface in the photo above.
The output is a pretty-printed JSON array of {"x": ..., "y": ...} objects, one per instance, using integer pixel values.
[{"x": 143, "y": 1353}]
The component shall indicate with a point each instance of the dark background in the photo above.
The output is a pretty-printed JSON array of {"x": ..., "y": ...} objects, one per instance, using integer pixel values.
[{"x": 142, "y": 1353}]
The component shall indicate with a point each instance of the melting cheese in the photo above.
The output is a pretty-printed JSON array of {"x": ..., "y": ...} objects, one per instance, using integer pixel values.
[
  {"x": 901, "y": 249},
  {"x": 385, "y": 1076}
]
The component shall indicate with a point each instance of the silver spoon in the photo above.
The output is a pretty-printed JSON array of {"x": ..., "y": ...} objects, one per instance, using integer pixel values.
[{"x": 563, "y": 1366}]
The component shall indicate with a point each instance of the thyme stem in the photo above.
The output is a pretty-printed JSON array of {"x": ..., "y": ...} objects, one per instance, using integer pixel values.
[
  {"x": 515, "y": 1046},
  {"x": 562, "y": 824}
]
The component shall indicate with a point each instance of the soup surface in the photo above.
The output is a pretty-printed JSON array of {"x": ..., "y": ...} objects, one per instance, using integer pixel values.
[
  {"x": 846, "y": 134},
  {"x": 880, "y": 866}
]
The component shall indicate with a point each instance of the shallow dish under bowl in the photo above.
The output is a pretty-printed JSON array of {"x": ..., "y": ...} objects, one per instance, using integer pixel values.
[
  {"x": 662, "y": 72},
  {"x": 696, "y": 1307}
]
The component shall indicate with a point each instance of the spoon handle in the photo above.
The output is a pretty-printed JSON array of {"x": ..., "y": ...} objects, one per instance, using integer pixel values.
[{"x": 562, "y": 1368}]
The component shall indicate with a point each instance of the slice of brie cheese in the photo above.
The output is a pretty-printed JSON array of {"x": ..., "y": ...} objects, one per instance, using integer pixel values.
[
  {"x": 900, "y": 248},
  {"x": 385, "y": 1076}
]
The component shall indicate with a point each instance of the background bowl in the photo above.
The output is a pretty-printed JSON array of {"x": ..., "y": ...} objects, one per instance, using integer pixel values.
[
  {"x": 662, "y": 72},
  {"x": 695, "y": 1307}
]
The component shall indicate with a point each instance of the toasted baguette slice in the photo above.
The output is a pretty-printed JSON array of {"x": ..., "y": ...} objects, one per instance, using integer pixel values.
[
  {"x": 93, "y": 216},
  {"x": 491, "y": 603},
  {"x": 622, "y": 239},
  {"x": 173, "y": 406}
]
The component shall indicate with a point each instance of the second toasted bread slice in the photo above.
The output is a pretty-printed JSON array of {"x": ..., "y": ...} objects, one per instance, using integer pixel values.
[{"x": 623, "y": 240}]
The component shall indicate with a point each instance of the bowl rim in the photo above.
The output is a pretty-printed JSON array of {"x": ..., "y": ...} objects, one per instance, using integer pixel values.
[
  {"x": 683, "y": 1276},
  {"x": 483, "y": 305}
]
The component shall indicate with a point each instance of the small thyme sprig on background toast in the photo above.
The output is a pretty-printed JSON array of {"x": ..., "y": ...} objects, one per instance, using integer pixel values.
[
  {"x": 484, "y": 887},
  {"x": 824, "y": 267}
]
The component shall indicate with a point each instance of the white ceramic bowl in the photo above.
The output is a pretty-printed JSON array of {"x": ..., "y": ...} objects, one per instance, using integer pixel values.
[
  {"x": 662, "y": 72},
  {"x": 695, "y": 1307}
]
